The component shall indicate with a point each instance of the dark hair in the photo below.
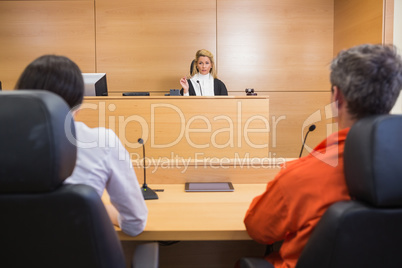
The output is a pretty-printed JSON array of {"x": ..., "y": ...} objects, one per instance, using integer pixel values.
[
  {"x": 369, "y": 77},
  {"x": 57, "y": 74}
]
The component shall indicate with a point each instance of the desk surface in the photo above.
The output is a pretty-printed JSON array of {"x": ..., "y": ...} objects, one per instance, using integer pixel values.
[{"x": 180, "y": 215}]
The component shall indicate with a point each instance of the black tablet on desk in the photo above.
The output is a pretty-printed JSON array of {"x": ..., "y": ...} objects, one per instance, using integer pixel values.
[{"x": 209, "y": 187}]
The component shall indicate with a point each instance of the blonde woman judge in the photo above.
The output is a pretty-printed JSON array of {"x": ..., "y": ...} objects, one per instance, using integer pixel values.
[{"x": 203, "y": 79}]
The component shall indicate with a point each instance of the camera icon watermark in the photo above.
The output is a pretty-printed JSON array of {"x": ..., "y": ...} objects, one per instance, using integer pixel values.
[{"x": 329, "y": 114}]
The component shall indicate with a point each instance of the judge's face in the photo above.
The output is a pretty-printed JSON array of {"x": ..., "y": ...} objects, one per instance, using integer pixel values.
[{"x": 204, "y": 65}]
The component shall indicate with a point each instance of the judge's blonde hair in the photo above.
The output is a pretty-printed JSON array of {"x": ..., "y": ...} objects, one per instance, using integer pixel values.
[{"x": 203, "y": 53}]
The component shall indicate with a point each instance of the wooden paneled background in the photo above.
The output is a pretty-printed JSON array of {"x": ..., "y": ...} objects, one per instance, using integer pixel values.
[
  {"x": 282, "y": 49},
  {"x": 356, "y": 22},
  {"x": 29, "y": 29}
]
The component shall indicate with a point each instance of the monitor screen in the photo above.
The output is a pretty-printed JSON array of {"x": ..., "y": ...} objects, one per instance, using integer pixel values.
[{"x": 95, "y": 84}]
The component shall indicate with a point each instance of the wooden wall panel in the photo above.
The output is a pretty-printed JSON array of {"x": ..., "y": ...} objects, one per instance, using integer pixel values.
[
  {"x": 291, "y": 113},
  {"x": 274, "y": 45},
  {"x": 280, "y": 48},
  {"x": 205, "y": 172},
  {"x": 149, "y": 45},
  {"x": 29, "y": 29},
  {"x": 176, "y": 128},
  {"x": 294, "y": 113},
  {"x": 357, "y": 22},
  {"x": 388, "y": 27}
]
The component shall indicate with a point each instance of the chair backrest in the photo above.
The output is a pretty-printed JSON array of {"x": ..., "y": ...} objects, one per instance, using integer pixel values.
[
  {"x": 367, "y": 231},
  {"x": 192, "y": 66},
  {"x": 45, "y": 223}
]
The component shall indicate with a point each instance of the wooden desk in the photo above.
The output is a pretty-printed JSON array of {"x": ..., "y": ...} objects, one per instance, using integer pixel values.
[
  {"x": 193, "y": 139},
  {"x": 184, "y": 127},
  {"x": 212, "y": 216}
]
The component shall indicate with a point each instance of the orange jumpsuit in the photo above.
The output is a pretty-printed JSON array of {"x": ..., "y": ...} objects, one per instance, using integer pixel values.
[{"x": 295, "y": 200}]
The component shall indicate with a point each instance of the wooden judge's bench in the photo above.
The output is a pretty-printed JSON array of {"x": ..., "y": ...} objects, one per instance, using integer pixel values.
[{"x": 193, "y": 139}]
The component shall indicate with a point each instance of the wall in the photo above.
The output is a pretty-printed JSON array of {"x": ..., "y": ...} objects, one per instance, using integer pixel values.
[
  {"x": 29, "y": 29},
  {"x": 398, "y": 24},
  {"x": 282, "y": 49},
  {"x": 267, "y": 45},
  {"x": 279, "y": 48},
  {"x": 357, "y": 22},
  {"x": 149, "y": 45},
  {"x": 398, "y": 42}
]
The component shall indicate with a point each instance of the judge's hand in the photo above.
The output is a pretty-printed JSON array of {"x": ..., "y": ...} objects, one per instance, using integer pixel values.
[{"x": 184, "y": 84}]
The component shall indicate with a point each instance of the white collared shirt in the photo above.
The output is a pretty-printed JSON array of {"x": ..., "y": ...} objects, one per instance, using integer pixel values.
[
  {"x": 204, "y": 86},
  {"x": 103, "y": 162}
]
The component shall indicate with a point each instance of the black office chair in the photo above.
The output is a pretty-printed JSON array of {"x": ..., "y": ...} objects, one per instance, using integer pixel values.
[
  {"x": 367, "y": 231},
  {"x": 192, "y": 66},
  {"x": 43, "y": 222}
]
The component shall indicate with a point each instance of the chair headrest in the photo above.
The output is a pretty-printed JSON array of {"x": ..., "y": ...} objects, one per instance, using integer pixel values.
[
  {"x": 36, "y": 153},
  {"x": 373, "y": 160}
]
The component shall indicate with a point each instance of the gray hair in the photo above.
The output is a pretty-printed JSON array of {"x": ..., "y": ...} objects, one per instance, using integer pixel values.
[{"x": 369, "y": 77}]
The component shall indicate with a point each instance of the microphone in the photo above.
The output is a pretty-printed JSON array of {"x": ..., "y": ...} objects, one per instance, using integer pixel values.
[
  {"x": 147, "y": 192},
  {"x": 199, "y": 86},
  {"x": 311, "y": 128}
]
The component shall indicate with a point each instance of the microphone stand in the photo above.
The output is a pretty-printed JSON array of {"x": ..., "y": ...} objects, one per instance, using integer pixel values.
[
  {"x": 199, "y": 84},
  {"x": 311, "y": 128},
  {"x": 147, "y": 192}
]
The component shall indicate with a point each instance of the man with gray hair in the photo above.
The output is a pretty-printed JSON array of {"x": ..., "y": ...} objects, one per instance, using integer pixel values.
[{"x": 365, "y": 80}]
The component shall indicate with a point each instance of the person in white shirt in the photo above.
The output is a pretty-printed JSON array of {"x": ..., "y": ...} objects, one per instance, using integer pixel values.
[
  {"x": 203, "y": 80},
  {"x": 102, "y": 161}
]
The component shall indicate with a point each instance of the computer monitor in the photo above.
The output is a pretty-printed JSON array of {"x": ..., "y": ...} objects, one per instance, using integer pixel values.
[{"x": 95, "y": 84}]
